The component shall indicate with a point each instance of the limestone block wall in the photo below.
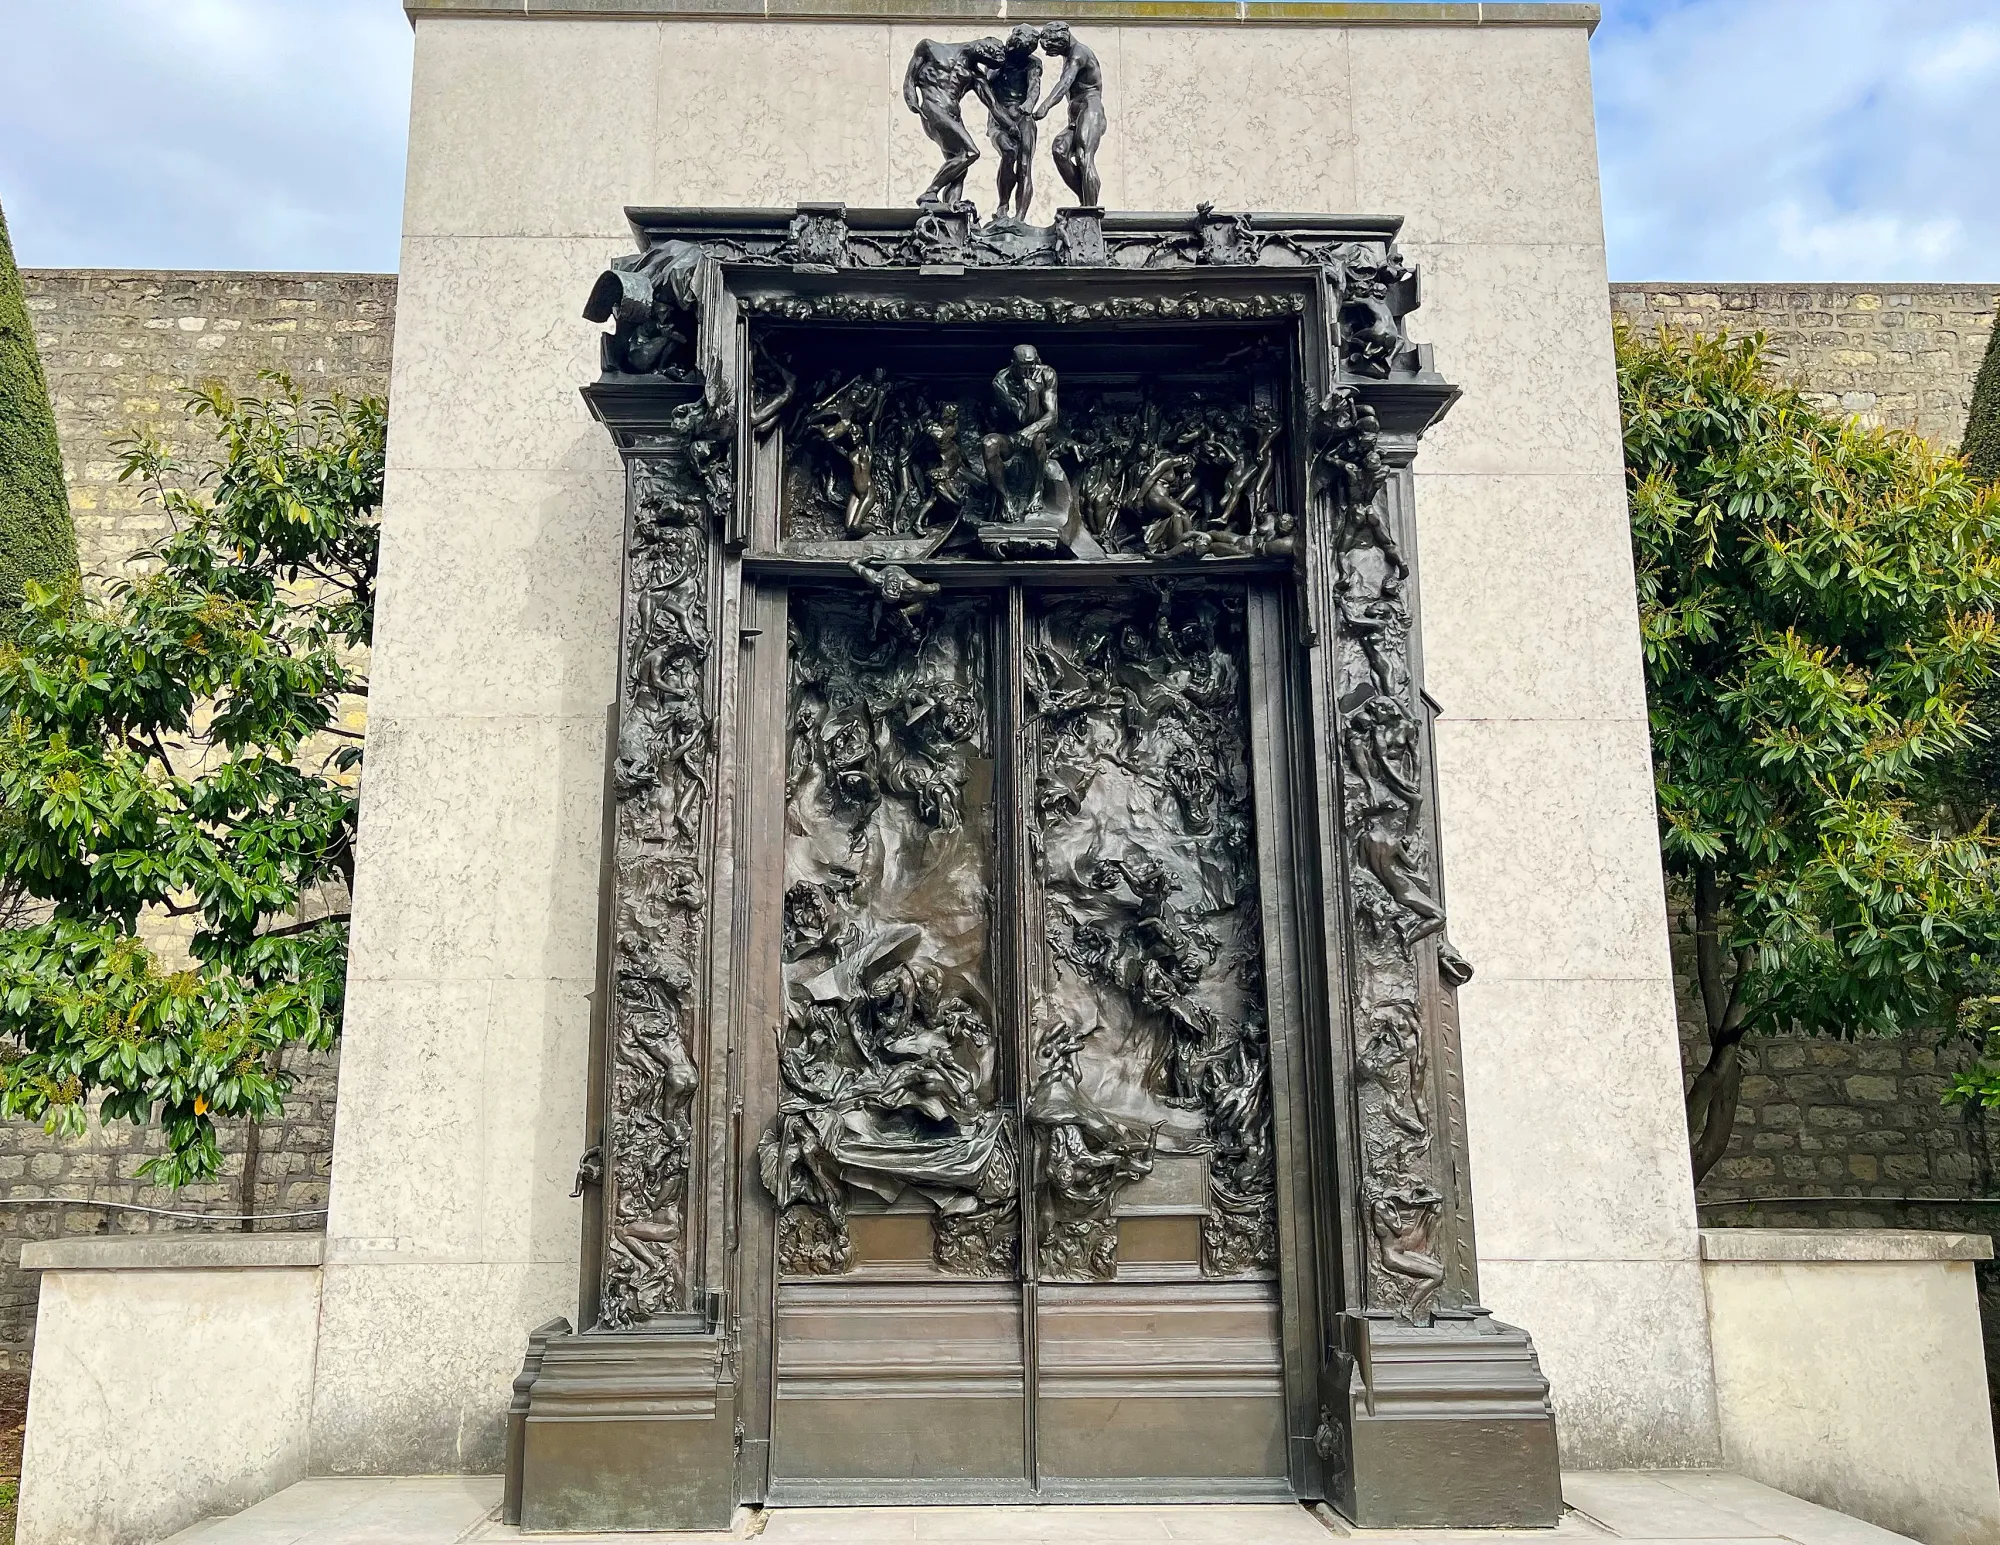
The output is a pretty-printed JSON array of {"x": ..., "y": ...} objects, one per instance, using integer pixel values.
[
  {"x": 122, "y": 348},
  {"x": 1897, "y": 354}
]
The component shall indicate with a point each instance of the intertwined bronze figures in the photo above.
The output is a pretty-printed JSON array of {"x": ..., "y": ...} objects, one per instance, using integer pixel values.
[{"x": 1006, "y": 76}]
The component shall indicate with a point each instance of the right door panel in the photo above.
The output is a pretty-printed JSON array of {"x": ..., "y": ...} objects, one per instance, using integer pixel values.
[{"x": 1154, "y": 1237}]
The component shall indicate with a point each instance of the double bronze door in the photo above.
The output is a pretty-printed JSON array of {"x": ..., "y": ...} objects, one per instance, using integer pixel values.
[{"x": 1016, "y": 1147}]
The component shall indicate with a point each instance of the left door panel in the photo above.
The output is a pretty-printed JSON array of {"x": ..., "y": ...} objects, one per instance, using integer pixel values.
[{"x": 893, "y": 1159}]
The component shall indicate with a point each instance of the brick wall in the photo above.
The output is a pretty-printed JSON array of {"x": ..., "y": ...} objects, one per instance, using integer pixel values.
[
  {"x": 121, "y": 350},
  {"x": 1900, "y": 355}
]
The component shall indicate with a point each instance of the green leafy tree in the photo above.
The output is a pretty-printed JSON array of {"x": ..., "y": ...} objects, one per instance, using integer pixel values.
[
  {"x": 37, "y": 541},
  {"x": 1981, "y": 445},
  {"x": 164, "y": 750},
  {"x": 1817, "y": 616}
]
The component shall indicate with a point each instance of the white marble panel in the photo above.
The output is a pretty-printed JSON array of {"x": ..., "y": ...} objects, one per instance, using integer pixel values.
[
  {"x": 1529, "y": 607},
  {"x": 1526, "y": 332},
  {"x": 1253, "y": 119},
  {"x": 499, "y": 593},
  {"x": 1551, "y": 854},
  {"x": 1624, "y": 1345},
  {"x": 1573, "y": 1100},
  {"x": 416, "y": 1363},
  {"x": 479, "y": 849},
  {"x": 160, "y": 1397},
  {"x": 1477, "y": 134},
  {"x": 543, "y": 130},
  {"x": 460, "y": 1121},
  {"x": 491, "y": 349},
  {"x": 1860, "y": 1385},
  {"x": 772, "y": 114}
]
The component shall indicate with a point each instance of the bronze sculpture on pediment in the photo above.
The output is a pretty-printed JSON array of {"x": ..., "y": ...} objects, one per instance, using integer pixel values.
[
  {"x": 934, "y": 87},
  {"x": 1006, "y": 75},
  {"x": 1082, "y": 86}
]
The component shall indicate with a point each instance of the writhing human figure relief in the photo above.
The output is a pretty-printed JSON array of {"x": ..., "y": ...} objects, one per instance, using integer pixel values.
[
  {"x": 662, "y": 779},
  {"x": 888, "y": 1059},
  {"x": 1391, "y": 868},
  {"x": 1153, "y": 1039},
  {"x": 900, "y": 469}
]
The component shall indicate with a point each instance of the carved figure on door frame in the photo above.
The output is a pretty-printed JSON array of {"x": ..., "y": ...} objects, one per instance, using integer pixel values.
[{"x": 1085, "y": 1157}]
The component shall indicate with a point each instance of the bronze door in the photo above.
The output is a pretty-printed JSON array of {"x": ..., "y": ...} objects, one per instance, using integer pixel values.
[{"x": 1020, "y": 1156}]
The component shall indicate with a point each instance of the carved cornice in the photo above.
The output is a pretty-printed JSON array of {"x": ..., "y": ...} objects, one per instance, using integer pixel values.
[{"x": 653, "y": 299}]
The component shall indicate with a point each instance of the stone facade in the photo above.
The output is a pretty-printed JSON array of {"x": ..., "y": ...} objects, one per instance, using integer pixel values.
[
  {"x": 1897, "y": 354},
  {"x": 122, "y": 349}
]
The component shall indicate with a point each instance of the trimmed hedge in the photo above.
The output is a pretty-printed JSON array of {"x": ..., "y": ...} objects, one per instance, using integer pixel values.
[
  {"x": 37, "y": 540},
  {"x": 1981, "y": 445}
]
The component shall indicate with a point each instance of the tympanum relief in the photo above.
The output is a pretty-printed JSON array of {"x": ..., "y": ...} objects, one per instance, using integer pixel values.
[
  {"x": 912, "y": 468},
  {"x": 890, "y": 1067},
  {"x": 1150, "y": 1030}
]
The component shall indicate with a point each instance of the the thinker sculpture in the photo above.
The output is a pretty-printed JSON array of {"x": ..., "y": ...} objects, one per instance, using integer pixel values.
[
  {"x": 1005, "y": 74},
  {"x": 1033, "y": 504}
]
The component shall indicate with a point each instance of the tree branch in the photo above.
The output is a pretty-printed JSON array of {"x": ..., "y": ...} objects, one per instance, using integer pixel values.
[
  {"x": 1715, "y": 996},
  {"x": 307, "y": 927}
]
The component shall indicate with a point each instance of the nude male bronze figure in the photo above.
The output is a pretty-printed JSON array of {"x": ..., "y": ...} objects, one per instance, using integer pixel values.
[
  {"x": 1082, "y": 85},
  {"x": 1026, "y": 390},
  {"x": 939, "y": 76},
  {"x": 1011, "y": 123}
]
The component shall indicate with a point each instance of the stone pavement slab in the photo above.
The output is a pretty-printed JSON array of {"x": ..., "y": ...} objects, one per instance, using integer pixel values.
[
  {"x": 1711, "y": 1505},
  {"x": 1696, "y": 1507}
]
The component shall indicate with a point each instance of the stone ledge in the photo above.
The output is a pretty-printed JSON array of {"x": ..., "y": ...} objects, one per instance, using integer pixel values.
[
  {"x": 1315, "y": 13},
  {"x": 1835, "y": 1246},
  {"x": 171, "y": 1252}
]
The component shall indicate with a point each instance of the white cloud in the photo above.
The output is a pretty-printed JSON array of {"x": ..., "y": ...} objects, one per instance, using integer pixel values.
[
  {"x": 1961, "y": 61},
  {"x": 204, "y": 133},
  {"x": 1740, "y": 139},
  {"x": 1800, "y": 139}
]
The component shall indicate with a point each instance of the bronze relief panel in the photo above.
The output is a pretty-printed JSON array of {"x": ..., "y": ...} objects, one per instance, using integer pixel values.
[
  {"x": 892, "y": 1073},
  {"x": 1151, "y": 1044}
]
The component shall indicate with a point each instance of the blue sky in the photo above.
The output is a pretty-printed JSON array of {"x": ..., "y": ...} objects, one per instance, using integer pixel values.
[{"x": 1739, "y": 139}]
